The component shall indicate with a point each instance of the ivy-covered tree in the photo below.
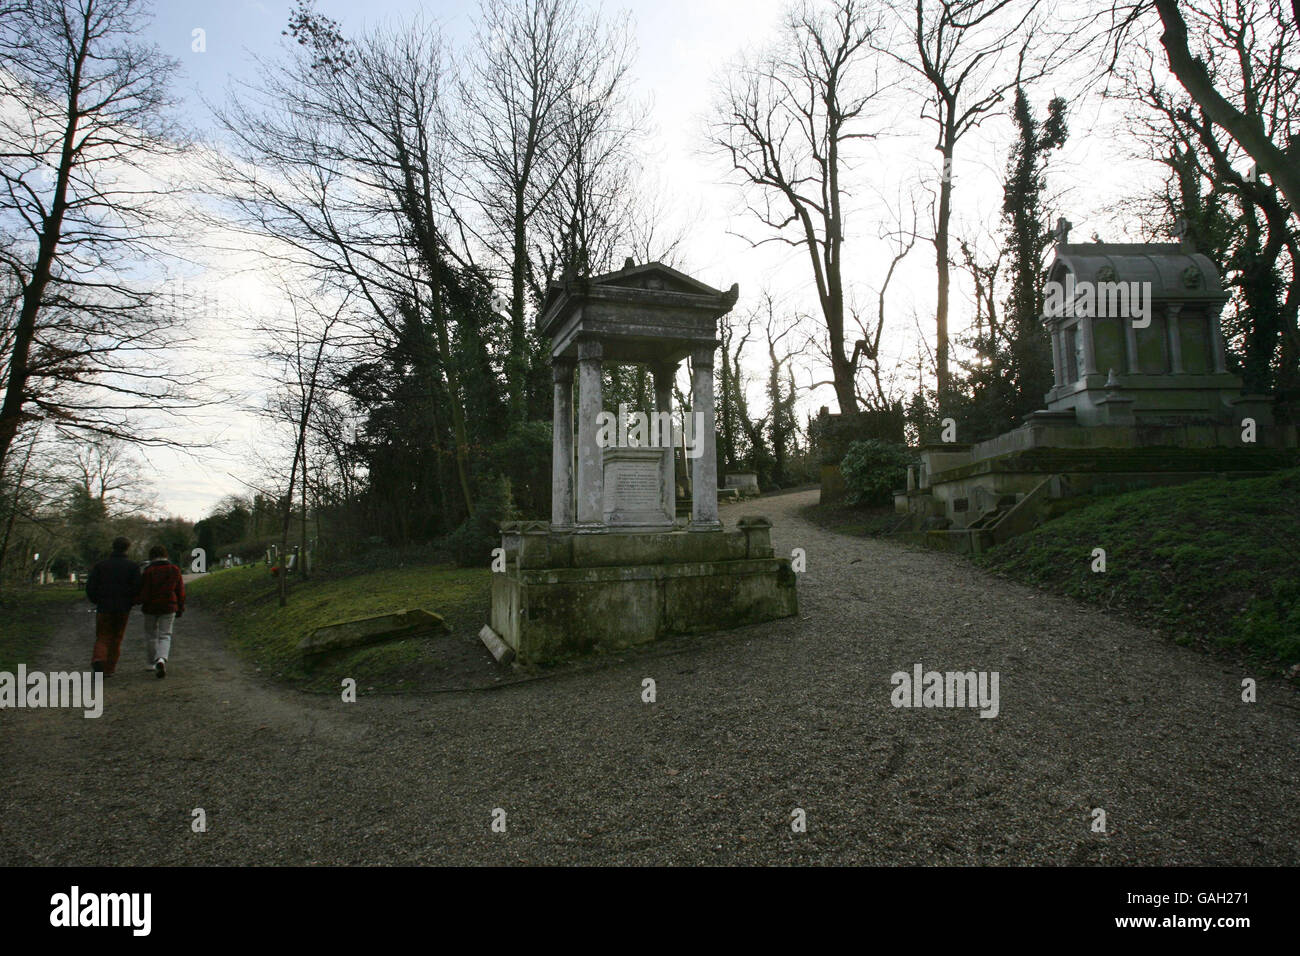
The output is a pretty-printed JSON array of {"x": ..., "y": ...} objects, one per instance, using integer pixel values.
[{"x": 1012, "y": 370}]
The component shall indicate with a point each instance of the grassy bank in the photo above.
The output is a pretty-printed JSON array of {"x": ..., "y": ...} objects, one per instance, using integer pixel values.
[
  {"x": 267, "y": 635},
  {"x": 29, "y": 616},
  {"x": 1215, "y": 563}
]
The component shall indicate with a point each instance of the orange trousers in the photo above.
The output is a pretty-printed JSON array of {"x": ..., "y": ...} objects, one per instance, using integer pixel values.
[{"x": 109, "y": 631}]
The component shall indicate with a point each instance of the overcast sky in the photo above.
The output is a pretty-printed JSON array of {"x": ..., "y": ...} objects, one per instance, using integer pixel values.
[{"x": 682, "y": 48}]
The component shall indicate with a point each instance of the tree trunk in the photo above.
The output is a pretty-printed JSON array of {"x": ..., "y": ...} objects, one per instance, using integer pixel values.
[
  {"x": 942, "y": 378},
  {"x": 11, "y": 410},
  {"x": 13, "y": 512},
  {"x": 302, "y": 555},
  {"x": 518, "y": 377}
]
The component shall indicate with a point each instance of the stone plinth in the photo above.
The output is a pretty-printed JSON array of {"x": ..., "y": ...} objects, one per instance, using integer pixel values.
[{"x": 565, "y": 594}]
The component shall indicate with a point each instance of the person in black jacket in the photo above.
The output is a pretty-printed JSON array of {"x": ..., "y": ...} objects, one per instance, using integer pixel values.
[{"x": 112, "y": 586}]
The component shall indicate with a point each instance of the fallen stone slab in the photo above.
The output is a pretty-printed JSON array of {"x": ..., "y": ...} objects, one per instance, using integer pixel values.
[
  {"x": 370, "y": 630},
  {"x": 502, "y": 651}
]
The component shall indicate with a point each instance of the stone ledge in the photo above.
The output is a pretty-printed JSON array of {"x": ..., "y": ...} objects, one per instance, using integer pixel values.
[
  {"x": 370, "y": 630},
  {"x": 645, "y": 572},
  {"x": 537, "y": 549}
]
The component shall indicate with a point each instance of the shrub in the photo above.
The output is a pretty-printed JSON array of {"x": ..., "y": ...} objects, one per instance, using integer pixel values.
[
  {"x": 524, "y": 458},
  {"x": 873, "y": 469},
  {"x": 472, "y": 542}
]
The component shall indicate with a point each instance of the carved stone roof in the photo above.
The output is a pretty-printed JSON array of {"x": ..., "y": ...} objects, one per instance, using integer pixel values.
[
  {"x": 649, "y": 276},
  {"x": 640, "y": 312},
  {"x": 1176, "y": 272}
]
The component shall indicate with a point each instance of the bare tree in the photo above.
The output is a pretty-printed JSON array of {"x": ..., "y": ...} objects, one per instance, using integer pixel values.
[
  {"x": 1242, "y": 218},
  {"x": 782, "y": 425},
  {"x": 586, "y": 219},
  {"x": 106, "y": 469},
  {"x": 299, "y": 346},
  {"x": 734, "y": 331},
  {"x": 356, "y": 136},
  {"x": 966, "y": 56},
  {"x": 540, "y": 111},
  {"x": 784, "y": 123},
  {"x": 902, "y": 239},
  {"x": 83, "y": 123},
  {"x": 1226, "y": 97}
]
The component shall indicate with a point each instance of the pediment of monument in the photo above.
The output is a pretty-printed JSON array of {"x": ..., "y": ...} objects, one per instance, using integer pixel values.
[
  {"x": 648, "y": 301},
  {"x": 654, "y": 277}
]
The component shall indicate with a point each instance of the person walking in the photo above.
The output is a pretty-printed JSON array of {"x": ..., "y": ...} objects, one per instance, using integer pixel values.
[
  {"x": 162, "y": 599},
  {"x": 112, "y": 586}
]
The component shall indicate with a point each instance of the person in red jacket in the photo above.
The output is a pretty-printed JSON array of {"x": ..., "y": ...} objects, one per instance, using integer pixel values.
[{"x": 162, "y": 599}]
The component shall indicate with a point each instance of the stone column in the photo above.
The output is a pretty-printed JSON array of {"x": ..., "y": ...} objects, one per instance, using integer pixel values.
[
  {"x": 1131, "y": 343},
  {"x": 664, "y": 374},
  {"x": 1175, "y": 339},
  {"x": 562, "y": 446},
  {"x": 1058, "y": 357},
  {"x": 704, "y": 467},
  {"x": 591, "y": 459},
  {"x": 1216, "y": 337},
  {"x": 1089, "y": 353}
]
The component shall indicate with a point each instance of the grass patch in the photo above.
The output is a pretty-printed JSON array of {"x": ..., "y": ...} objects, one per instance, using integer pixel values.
[
  {"x": 267, "y": 635},
  {"x": 28, "y": 617},
  {"x": 1215, "y": 562}
]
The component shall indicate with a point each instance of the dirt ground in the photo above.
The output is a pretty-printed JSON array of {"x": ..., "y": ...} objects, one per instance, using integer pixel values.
[{"x": 747, "y": 727}]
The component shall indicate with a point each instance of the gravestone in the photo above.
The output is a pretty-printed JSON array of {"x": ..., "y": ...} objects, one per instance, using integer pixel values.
[{"x": 745, "y": 484}]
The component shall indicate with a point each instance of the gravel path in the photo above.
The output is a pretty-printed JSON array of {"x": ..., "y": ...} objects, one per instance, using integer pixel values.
[{"x": 748, "y": 726}]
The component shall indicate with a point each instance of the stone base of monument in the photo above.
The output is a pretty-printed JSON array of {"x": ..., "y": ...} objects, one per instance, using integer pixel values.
[{"x": 565, "y": 594}]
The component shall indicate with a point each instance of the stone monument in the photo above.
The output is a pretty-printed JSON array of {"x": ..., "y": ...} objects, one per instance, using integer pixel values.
[
  {"x": 615, "y": 566},
  {"x": 1141, "y": 396}
]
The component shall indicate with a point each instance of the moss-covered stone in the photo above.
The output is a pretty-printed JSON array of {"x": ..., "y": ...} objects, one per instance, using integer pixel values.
[
  {"x": 370, "y": 630},
  {"x": 548, "y": 613}
]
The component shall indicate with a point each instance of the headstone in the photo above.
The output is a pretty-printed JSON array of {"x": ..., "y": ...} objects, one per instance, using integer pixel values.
[{"x": 745, "y": 484}]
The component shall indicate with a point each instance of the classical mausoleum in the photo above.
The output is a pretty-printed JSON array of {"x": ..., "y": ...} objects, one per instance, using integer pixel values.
[
  {"x": 1141, "y": 396},
  {"x": 616, "y": 565}
]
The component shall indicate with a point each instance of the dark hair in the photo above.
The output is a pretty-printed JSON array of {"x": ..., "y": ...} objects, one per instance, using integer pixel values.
[
  {"x": 121, "y": 545},
  {"x": 157, "y": 551}
]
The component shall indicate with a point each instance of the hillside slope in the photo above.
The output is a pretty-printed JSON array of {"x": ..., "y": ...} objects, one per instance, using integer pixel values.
[{"x": 1214, "y": 562}]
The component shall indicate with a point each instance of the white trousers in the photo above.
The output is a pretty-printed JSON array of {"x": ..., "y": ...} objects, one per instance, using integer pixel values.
[{"x": 158, "y": 636}]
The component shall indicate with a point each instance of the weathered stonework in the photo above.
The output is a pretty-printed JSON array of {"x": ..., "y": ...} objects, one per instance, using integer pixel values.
[
  {"x": 370, "y": 630},
  {"x": 616, "y": 565},
  {"x": 1137, "y": 401},
  {"x": 566, "y": 594}
]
